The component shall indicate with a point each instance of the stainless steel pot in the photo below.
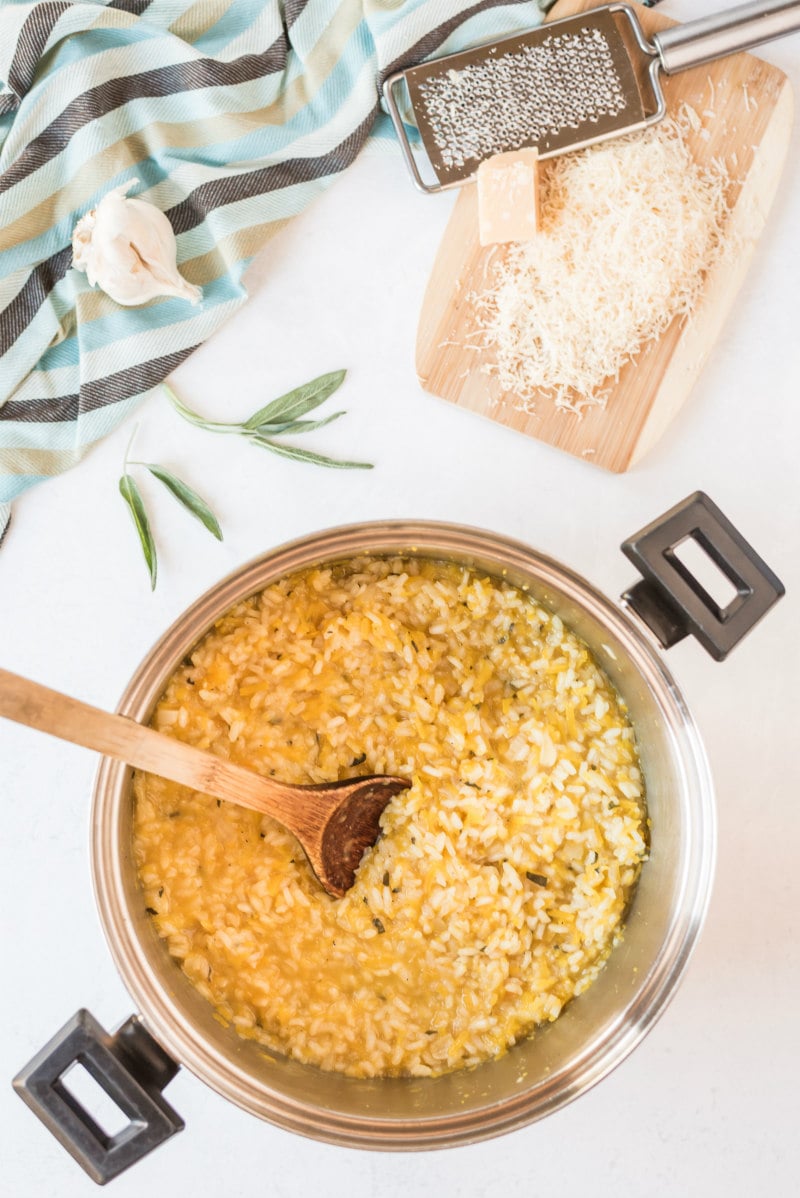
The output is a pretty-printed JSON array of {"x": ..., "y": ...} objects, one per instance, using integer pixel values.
[{"x": 595, "y": 1032}]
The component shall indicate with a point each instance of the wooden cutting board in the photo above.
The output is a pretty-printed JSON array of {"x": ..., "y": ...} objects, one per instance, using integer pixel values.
[{"x": 751, "y": 103}]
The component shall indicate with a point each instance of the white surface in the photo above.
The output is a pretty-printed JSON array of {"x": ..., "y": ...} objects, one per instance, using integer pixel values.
[{"x": 708, "y": 1103}]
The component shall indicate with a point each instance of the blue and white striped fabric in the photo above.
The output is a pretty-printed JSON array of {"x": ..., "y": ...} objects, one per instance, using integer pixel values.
[{"x": 233, "y": 114}]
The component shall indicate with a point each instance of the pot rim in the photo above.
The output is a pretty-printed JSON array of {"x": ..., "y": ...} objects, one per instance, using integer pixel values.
[{"x": 160, "y": 1012}]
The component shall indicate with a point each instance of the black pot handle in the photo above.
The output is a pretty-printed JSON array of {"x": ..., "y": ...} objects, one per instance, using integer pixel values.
[
  {"x": 670, "y": 599},
  {"x": 129, "y": 1066}
]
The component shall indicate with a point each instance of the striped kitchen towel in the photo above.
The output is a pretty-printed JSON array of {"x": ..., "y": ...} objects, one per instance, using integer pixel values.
[{"x": 232, "y": 114}]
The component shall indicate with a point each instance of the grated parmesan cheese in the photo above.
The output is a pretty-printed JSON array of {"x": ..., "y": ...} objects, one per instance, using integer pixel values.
[
  {"x": 691, "y": 116},
  {"x": 629, "y": 229}
]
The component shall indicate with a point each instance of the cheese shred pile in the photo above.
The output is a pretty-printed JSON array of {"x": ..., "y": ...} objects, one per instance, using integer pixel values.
[{"x": 629, "y": 231}]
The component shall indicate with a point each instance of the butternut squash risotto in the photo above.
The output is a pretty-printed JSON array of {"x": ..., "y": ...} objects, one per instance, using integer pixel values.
[{"x": 499, "y": 884}]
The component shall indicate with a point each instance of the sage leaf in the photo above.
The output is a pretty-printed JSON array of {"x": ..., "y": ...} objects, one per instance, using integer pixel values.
[
  {"x": 305, "y": 455},
  {"x": 538, "y": 879},
  {"x": 298, "y": 402},
  {"x": 193, "y": 502},
  {"x": 133, "y": 498},
  {"x": 295, "y": 426}
]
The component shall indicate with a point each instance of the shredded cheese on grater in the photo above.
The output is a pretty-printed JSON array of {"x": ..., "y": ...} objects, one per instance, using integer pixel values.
[
  {"x": 519, "y": 99},
  {"x": 628, "y": 232}
]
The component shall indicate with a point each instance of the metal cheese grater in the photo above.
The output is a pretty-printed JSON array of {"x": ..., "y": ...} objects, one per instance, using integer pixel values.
[{"x": 561, "y": 86}]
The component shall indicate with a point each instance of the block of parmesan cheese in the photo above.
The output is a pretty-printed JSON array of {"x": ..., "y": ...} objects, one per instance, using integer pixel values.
[{"x": 508, "y": 187}]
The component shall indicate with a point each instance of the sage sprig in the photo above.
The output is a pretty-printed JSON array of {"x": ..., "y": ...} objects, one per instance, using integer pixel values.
[
  {"x": 186, "y": 497},
  {"x": 282, "y": 416}
]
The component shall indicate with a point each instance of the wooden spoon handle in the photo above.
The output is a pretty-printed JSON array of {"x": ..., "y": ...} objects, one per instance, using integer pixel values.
[{"x": 117, "y": 736}]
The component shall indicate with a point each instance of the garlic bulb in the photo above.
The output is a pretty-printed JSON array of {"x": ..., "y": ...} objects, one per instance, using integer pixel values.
[{"x": 127, "y": 247}]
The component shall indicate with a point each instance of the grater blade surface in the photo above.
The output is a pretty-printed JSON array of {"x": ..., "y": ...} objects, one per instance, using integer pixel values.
[{"x": 556, "y": 87}]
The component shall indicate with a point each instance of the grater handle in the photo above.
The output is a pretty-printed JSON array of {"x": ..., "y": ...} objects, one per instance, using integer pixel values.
[{"x": 717, "y": 36}]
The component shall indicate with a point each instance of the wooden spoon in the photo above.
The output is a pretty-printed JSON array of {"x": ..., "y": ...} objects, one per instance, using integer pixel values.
[{"x": 335, "y": 822}]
